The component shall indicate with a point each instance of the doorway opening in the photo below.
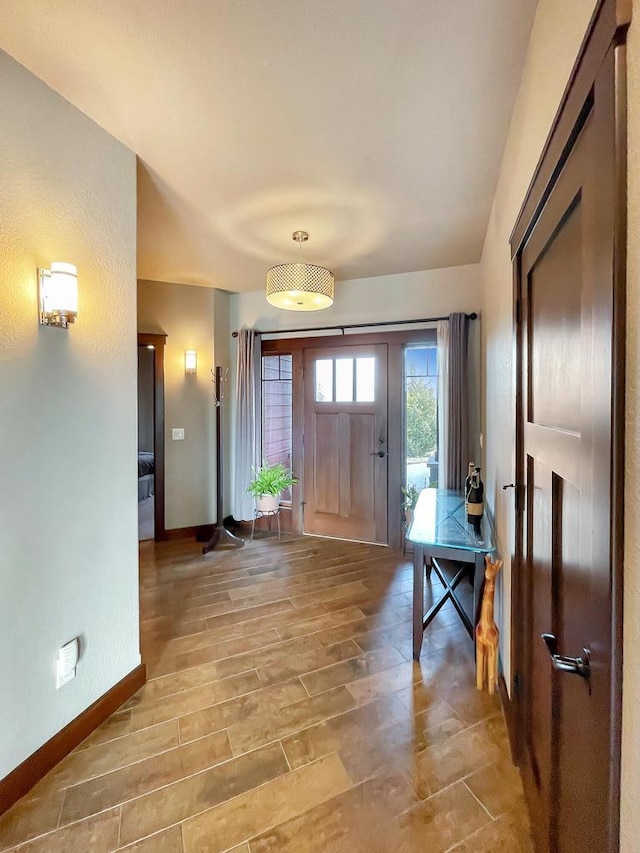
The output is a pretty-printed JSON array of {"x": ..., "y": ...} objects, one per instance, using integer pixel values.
[
  {"x": 151, "y": 523},
  {"x": 146, "y": 455}
]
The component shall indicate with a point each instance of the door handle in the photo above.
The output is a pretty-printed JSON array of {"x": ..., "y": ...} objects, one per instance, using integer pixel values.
[
  {"x": 380, "y": 453},
  {"x": 575, "y": 666}
]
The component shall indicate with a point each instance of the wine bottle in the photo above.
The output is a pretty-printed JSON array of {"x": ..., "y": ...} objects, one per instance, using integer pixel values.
[
  {"x": 475, "y": 500},
  {"x": 467, "y": 485}
]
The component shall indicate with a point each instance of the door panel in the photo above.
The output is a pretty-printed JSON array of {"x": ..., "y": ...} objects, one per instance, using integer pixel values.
[
  {"x": 345, "y": 442},
  {"x": 326, "y": 436},
  {"x": 566, "y": 292}
]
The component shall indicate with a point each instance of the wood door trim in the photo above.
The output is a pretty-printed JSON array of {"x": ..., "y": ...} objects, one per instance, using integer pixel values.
[
  {"x": 157, "y": 341},
  {"x": 607, "y": 32}
]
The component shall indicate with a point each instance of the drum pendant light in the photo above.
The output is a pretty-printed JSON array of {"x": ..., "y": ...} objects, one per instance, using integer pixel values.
[{"x": 300, "y": 286}]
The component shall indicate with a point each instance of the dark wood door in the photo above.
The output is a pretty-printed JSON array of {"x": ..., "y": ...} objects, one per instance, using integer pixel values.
[
  {"x": 345, "y": 442},
  {"x": 566, "y": 279}
]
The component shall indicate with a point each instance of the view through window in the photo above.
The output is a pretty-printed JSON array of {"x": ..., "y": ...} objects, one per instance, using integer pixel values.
[
  {"x": 421, "y": 416},
  {"x": 276, "y": 411}
]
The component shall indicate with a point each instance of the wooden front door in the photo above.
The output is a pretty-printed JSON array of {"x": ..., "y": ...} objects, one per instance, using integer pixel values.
[
  {"x": 567, "y": 682},
  {"x": 345, "y": 442}
]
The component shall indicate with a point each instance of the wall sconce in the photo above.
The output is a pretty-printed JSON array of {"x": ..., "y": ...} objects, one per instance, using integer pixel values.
[
  {"x": 190, "y": 362},
  {"x": 58, "y": 295}
]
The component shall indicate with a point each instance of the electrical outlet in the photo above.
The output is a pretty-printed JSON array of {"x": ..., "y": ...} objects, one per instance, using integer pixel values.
[
  {"x": 67, "y": 662},
  {"x": 177, "y": 434}
]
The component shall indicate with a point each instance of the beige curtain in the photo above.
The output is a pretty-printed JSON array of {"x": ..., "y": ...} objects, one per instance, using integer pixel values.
[
  {"x": 246, "y": 426},
  {"x": 457, "y": 457}
]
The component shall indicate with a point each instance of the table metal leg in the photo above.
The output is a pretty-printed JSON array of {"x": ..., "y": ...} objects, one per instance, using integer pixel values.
[
  {"x": 478, "y": 583},
  {"x": 418, "y": 598}
]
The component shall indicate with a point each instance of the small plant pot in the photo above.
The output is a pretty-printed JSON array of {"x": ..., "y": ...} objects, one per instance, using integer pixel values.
[{"x": 267, "y": 503}]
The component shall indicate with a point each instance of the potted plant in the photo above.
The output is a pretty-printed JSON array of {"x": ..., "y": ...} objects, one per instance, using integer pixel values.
[
  {"x": 268, "y": 484},
  {"x": 410, "y": 495}
]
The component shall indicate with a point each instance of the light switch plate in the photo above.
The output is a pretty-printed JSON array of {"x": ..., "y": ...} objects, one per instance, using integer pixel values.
[{"x": 177, "y": 434}]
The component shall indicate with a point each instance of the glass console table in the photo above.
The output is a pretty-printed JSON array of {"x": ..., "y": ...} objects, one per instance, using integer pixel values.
[{"x": 439, "y": 530}]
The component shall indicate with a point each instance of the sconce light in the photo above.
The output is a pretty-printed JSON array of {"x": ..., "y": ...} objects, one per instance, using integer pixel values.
[
  {"x": 190, "y": 362},
  {"x": 58, "y": 295}
]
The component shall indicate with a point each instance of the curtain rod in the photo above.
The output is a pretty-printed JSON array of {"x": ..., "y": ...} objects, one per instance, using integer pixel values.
[{"x": 473, "y": 316}]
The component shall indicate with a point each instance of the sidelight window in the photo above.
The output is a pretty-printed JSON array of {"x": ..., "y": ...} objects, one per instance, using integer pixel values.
[
  {"x": 421, "y": 415},
  {"x": 277, "y": 410}
]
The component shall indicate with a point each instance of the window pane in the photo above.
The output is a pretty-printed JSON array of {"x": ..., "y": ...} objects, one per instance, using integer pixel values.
[
  {"x": 270, "y": 367},
  {"x": 365, "y": 380},
  {"x": 416, "y": 361},
  {"x": 421, "y": 417},
  {"x": 344, "y": 380},
  {"x": 324, "y": 380},
  {"x": 286, "y": 366}
]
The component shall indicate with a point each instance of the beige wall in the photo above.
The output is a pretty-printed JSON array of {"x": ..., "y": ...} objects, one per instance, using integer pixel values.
[
  {"x": 68, "y": 521},
  {"x": 368, "y": 300},
  {"x": 185, "y": 313},
  {"x": 557, "y": 33}
]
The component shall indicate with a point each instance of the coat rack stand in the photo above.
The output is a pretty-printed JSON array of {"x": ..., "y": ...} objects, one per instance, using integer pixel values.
[{"x": 220, "y": 535}]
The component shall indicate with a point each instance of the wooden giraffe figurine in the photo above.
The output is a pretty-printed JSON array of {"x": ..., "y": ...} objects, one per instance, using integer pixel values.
[{"x": 487, "y": 633}]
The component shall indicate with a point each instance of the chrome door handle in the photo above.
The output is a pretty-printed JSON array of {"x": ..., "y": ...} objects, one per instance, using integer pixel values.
[{"x": 576, "y": 666}]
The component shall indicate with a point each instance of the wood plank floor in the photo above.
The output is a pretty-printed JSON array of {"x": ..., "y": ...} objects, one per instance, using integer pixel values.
[{"x": 283, "y": 714}]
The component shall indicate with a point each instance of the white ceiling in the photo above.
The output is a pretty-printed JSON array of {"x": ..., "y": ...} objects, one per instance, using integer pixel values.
[{"x": 376, "y": 125}]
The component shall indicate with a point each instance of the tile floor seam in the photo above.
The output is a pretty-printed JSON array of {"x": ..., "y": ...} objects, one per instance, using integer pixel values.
[
  {"x": 119, "y": 826},
  {"x": 297, "y": 731},
  {"x": 286, "y": 757},
  {"x": 354, "y": 681},
  {"x": 205, "y": 707},
  {"x": 166, "y": 785},
  {"x": 304, "y": 687},
  {"x": 326, "y": 666},
  {"x": 183, "y": 821},
  {"x": 298, "y": 815},
  {"x": 69, "y": 786},
  {"x": 468, "y": 838},
  {"x": 464, "y": 782}
]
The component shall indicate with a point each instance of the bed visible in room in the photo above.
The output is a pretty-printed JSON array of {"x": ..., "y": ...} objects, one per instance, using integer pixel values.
[{"x": 145, "y": 474}]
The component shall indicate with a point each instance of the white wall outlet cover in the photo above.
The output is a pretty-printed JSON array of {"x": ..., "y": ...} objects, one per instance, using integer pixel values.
[
  {"x": 177, "y": 434},
  {"x": 67, "y": 662}
]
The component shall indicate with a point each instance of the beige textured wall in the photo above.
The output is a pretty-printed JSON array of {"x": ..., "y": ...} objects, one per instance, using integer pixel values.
[
  {"x": 631, "y": 686},
  {"x": 556, "y": 36},
  {"x": 557, "y": 33},
  {"x": 426, "y": 293},
  {"x": 68, "y": 496},
  {"x": 185, "y": 313}
]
